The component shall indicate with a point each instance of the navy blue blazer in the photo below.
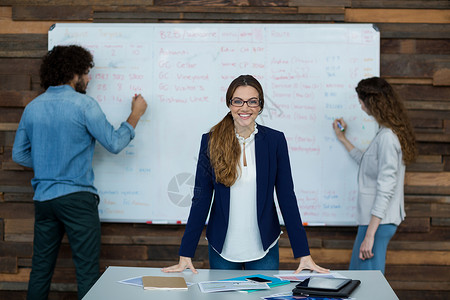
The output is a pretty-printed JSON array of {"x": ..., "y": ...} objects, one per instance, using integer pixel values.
[{"x": 273, "y": 171}]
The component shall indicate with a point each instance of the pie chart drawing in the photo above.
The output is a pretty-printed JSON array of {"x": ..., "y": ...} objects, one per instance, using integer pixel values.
[{"x": 181, "y": 189}]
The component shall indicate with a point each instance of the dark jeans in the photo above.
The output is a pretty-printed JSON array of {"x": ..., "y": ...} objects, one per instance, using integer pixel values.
[
  {"x": 269, "y": 262},
  {"x": 77, "y": 215}
]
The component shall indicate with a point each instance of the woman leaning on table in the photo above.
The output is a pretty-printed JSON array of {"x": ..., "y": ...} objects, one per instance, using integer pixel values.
[
  {"x": 381, "y": 172},
  {"x": 241, "y": 163}
]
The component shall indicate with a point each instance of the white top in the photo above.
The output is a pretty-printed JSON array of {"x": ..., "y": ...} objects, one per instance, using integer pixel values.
[
  {"x": 243, "y": 240},
  {"x": 381, "y": 178}
]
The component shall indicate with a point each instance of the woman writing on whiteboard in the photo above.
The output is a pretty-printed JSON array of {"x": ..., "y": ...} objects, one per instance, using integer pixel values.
[
  {"x": 381, "y": 172},
  {"x": 241, "y": 163}
]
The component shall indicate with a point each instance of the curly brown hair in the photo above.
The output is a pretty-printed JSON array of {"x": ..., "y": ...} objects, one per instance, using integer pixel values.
[
  {"x": 62, "y": 63},
  {"x": 224, "y": 149},
  {"x": 387, "y": 108}
]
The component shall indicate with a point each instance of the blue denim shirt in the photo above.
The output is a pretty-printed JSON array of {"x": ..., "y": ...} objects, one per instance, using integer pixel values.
[{"x": 56, "y": 137}]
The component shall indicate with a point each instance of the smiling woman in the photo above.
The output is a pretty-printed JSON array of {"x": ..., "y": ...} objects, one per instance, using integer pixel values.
[{"x": 241, "y": 164}]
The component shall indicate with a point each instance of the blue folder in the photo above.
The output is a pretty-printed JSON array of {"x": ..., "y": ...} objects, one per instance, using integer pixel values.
[{"x": 275, "y": 281}]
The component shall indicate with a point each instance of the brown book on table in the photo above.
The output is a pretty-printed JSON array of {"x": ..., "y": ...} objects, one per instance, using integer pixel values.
[{"x": 163, "y": 283}]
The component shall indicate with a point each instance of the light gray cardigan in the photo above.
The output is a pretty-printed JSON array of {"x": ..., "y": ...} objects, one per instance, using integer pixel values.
[{"x": 381, "y": 177}]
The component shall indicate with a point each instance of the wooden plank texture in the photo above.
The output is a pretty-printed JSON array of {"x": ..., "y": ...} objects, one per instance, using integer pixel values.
[
  {"x": 328, "y": 3},
  {"x": 419, "y": 285},
  {"x": 442, "y": 77},
  {"x": 18, "y": 197},
  {"x": 9, "y": 126},
  {"x": 401, "y": 4},
  {"x": 8, "y": 265},
  {"x": 415, "y": 58},
  {"x": 78, "y": 2},
  {"x": 16, "y": 249},
  {"x": 421, "y": 273},
  {"x": 429, "y": 16},
  {"x": 202, "y": 9},
  {"x": 15, "y": 82},
  {"x": 427, "y": 245},
  {"x": 412, "y": 257},
  {"x": 53, "y": 13},
  {"x": 414, "y": 224},
  {"x": 425, "y": 167},
  {"x": 127, "y": 17},
  {"x": 415, "y": 46},
  {"x": 22, "y": 275},
  {"x": 10, "y": 114},
  {"x": 124, "y": 252},
  {"x": 212, "y": 2},
  {"x": 418, "y": 65},
  {"x": 433, "y": 137},
  {"x": 7, "y": 137},
  {"x": 422, "y": 92},
  {"x": 416, "y": 31},
  {"x": 426, "y": 123},
  {"x": 440, "y": 222},
  {"x": 16, "y": 98},
  {"x": 427, "y": 199},
  {"x": 428, "y": 105},
  {"x": 20, "y": 66},
  {"x": 17, "y": 210},
  {"x": 321, "y": 10}
]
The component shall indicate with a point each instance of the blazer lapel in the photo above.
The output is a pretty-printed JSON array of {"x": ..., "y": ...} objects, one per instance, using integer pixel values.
[{"x": 262, "y": 167}]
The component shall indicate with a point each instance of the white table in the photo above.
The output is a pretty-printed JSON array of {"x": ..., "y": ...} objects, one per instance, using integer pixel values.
[{"x": 373, "y": 285}]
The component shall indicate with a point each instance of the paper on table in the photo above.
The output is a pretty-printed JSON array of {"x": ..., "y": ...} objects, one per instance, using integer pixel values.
[
  {"x": 303, "y": 276},
  {"x": 228, "y": 285},
  {"x": 137, "y": 281},
  {"x": 274, "y": 281}
]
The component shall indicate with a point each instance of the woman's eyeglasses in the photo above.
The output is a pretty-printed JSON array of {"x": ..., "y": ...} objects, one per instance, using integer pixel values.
[{"x": 238, "y": 102}]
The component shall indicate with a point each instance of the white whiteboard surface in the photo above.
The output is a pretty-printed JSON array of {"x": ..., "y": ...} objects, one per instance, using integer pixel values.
[{"x": 308, "y": 73}]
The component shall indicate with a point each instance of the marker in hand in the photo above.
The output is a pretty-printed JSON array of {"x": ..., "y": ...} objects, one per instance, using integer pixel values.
[{"x": 340, "y": 126}]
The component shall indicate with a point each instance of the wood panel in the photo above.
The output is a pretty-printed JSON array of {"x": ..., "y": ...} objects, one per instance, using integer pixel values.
[
  {"x": 428, "y": 179},
  {"x": 429, "y": 16},
  {"x": 202, "y": 17},
  {"x": 17, "y": 98},
  {"x": 198, "y": 9},
  {"x": 327, "y": 3},
  {"x": 400, "y": 4},
  {"x": 415, "y": 59},
  {"x": 411, "y": 65},
  {"x": 417, "y": 31},
  {"x": 78, "y": 2},
  {"x": 54, "y": 13},
  {"x": 8, "y": 264}
]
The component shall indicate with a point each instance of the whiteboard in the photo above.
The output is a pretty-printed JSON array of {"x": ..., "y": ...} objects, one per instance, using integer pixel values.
[{"x": 308, "y": 73}]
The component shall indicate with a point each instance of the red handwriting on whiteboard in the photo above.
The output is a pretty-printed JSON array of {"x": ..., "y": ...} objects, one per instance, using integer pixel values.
[
  {"x": 182, "y": 65},
  {"x": 279, "y": 34},
  {"x": 102, "y": 76},
  {"x": 118, "y": 76},
  {"x": 169, "y": 35},
  {"x": 101, "y": 87},
  {"x": 226, "y": 49},
  {"x": 135, "y": 88},
  {"x": 135, "y": 76}
]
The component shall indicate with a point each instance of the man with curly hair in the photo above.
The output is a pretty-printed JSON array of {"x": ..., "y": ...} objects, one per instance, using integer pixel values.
[{"x": 56, "y": 137}]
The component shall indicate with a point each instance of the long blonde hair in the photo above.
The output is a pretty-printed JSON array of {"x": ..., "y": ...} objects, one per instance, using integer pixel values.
[
  {"x": 388, "y": 110},
  {"x": 224, "y": 149}
]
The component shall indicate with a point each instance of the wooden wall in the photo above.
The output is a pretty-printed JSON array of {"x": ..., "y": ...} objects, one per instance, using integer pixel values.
[{"x": 415, "y": 58}]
